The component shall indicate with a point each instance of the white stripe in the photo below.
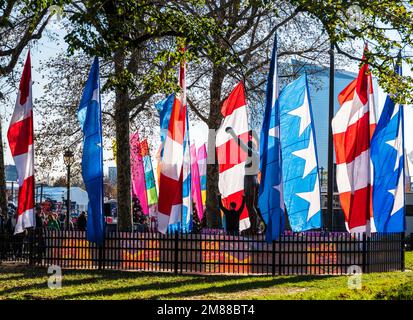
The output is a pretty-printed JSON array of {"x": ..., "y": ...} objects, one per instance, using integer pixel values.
[
  {"x": 25, "y": 165},
  {"x": 232, "y": 180},
  {"x": 354, "y": 176},
  {"x": 244, "y": 224},
  {"x": 163, "y": 222},
  {"x": 25, "y": 220},
  {"x": 172, "y": 159},
  {"x": 176, "y": 214},
  {"x": 349, "y": 113},
  {"x": 238, "y": 121},
  {"x": 22, "y": 112}
]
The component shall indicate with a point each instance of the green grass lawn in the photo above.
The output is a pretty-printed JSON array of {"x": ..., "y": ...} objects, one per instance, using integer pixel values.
[{"x": 28, "y": 283}]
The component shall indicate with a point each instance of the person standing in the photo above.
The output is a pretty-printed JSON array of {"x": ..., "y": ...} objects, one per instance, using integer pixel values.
[
  {"x": 232, "y": 215},
  {"x": 52, "y": 222},
  {"x": 81, "y": 221}
]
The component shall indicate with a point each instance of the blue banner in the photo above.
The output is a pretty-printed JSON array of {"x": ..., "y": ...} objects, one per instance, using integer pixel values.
[
  {"x": 270, "y": 196},
  {"x": 387, "y": 154},
  {"x": 90, "y": 118},
  {"x": 299, "y": 157}
]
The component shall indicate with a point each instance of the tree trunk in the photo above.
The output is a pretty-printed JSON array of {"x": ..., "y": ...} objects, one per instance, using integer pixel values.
[
  {"x": 214, "y": 120},
  {"x": 3, "y": 195},
  {"x": 123, "y": 149}
]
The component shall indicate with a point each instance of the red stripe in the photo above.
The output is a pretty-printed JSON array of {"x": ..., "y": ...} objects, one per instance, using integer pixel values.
[
  {"x": 20, "y": 135},
  {"x": 177, "y": 122},
  {"x": 170, "y": 193},
  {"x": 24, "y": 86},
  {"x": 235, "y": 100},
  {"x": 351, "y": 143},
  {"x": 144, "y": 148},
  {"x": 237, "y": 198},
  {"x": 348, "y": 93},
  {"x": 26, "y": 195},
  {"x": 230, "y": 154},
  {"x": 356, "y": 206},
  {"x": 363, "y": 83}
]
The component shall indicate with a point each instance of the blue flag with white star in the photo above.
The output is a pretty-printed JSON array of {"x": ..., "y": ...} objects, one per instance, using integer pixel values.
[
  {"x": 270, "y": 196},
  {"x": 388, "y": 169},
  {"x": 90, "y": 117},
  {"x": 299, "y": 157}
]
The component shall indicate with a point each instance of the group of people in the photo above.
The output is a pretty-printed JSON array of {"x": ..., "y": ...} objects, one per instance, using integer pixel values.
[{"x": 52, "y": 220}]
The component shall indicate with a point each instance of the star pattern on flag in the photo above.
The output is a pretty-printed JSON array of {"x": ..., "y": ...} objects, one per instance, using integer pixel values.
[
  {"x": 309, "y": 155},
  {"x": 274, "y": 132},
  {"x": 312, "y": 198},
  {"x": 279, "y": 188},
  {"x": 398, "y": 195},
  {"x": 397, "y": 145},
  {"x": 95, "y": 96},
  {"x": 303, "y": 112}
]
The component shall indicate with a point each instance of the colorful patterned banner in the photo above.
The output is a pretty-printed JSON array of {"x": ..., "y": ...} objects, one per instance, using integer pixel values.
[
  {"x": 151, "y": 191},
  {"x": 138, "y": 173}
]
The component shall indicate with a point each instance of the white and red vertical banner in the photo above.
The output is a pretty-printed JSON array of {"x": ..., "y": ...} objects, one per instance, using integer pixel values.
[
  {"x": 353, "y": 127},
  {"x": 231, "y": 158},
  {"x": 20, "y": 136},
  {"x": 170, "y": 180}
]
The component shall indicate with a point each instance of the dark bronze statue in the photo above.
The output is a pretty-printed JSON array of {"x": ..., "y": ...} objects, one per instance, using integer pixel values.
[{"x": 251, "y": 184}]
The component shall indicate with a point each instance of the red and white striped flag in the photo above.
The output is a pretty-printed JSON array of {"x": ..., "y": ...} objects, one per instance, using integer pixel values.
[
  {"x": 353, "y": 127},
  {"x": 170, "y": 181},
  {"x": 231, "y": 158},
  {"x": 20, "y": 136}
]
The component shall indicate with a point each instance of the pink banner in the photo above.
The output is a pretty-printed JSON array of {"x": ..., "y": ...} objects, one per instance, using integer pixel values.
[
  {"x": 196, "y": 183},
  {"x": 138, "y": 173},
  {"x": 202, "y": 166}
]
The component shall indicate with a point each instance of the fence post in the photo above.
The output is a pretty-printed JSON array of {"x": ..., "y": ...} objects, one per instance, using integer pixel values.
[
  {"x": 273, "y": 259},
  {"x": 101, "y": 254},
  {"x": 31, "y": 246},
  {"x": 176, "y": 252},
  {"x": 364, "y": 254},
  {"x": 402, "y": 249},
  {"x": 279, "y": 255}
]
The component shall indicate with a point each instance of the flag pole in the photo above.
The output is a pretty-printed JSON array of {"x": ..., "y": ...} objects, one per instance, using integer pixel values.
[{"x": 328, "y": 223}]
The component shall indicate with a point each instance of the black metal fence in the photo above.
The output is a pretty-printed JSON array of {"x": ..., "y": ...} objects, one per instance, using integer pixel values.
[{"x": 293, "y": 253}]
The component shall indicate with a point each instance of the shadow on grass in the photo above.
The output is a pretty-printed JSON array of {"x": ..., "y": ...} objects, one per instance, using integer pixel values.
[
  {"x": 233, "y": 284},
  {"x": 236, "y": 285}
]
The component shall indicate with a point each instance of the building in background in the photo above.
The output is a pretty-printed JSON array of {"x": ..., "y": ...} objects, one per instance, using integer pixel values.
[
  {"x": 10, "y": 172},
  {"x": 113, "y": 175}
]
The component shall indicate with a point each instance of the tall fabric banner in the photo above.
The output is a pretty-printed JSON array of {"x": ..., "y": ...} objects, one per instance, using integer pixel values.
[
  {"x": 151, "y": 192},
  {"x": 231, "y": 158},
  {"x": 20, "y": 136},
  {"x": 186, "y": 222},
  {"x": 202, "y": 165},
  {"x": 196, "y": 183},
  {"x": 90, "y": 117},
  {"x": 270, "y": 196},
  {"x": 299, "y": 157},
  {"x": 170, "y": 181},
  {"x": 353, "y": 127},
  {"x": 138, "y": 173},
  {"x": 387, "y": 156}
]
